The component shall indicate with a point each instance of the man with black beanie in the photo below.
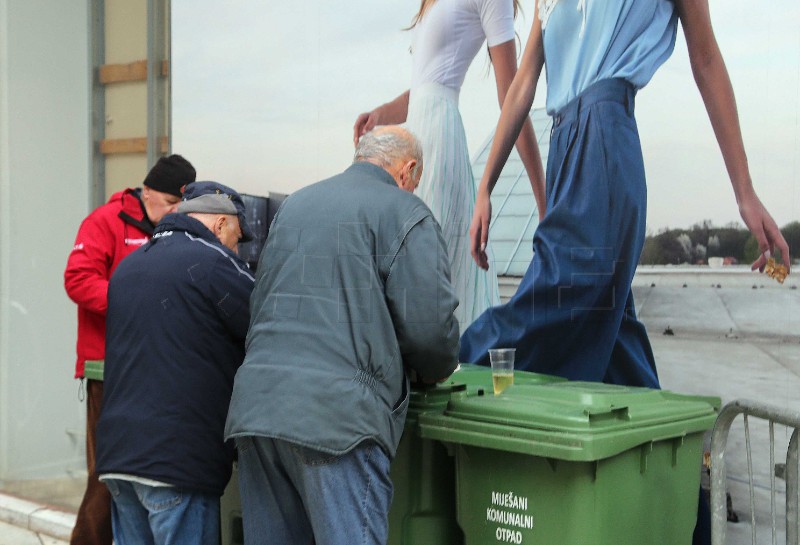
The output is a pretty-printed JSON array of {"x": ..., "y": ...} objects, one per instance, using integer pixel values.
[{"x": 108, "y": 234}]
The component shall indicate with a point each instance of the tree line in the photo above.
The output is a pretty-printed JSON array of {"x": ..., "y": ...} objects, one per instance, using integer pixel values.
[{"x": 703, "y": 240}]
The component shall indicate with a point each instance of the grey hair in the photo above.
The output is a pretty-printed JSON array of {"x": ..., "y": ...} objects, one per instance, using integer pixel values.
[{"x": 388, "y": 146}]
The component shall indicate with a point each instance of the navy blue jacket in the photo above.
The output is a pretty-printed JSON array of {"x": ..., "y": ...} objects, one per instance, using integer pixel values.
[{"x": 178, "y": 311}]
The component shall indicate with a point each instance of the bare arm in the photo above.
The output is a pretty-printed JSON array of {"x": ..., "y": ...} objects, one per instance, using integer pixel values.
[
  {"x": 391, "y": 113},
  {"x": 715, "y": 87},
  {"x": 516, "y": 107},
  {"x": 504, "y": 60}
]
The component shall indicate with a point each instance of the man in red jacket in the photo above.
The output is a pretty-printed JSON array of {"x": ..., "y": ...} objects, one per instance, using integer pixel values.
[{"x": 107, "y": 235}]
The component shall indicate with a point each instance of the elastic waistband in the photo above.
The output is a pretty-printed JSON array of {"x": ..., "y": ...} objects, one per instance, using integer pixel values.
[
  {"x": 607, "y": 90},
  {"x": 435, "y": 90}
]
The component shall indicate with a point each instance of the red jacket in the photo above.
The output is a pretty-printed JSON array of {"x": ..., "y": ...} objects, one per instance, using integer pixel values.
[{"x": 108, "y": 234}]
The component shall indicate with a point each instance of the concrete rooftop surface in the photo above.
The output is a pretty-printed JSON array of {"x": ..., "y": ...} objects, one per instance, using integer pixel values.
[{"x": 724, "y": 332}]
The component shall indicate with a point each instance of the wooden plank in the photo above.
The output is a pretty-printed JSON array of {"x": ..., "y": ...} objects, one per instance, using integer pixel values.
[
  {"x": 116, "y": 146},
  {"x": 123, "y": 145},
  {"x": 118, "y": 73},
  {"x": 132, "y": 71}
]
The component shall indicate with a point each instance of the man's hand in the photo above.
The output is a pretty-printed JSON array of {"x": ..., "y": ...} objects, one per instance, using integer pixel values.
[
  {"x": 425, "y": 383},
  {"x": 479, "y": 230}
]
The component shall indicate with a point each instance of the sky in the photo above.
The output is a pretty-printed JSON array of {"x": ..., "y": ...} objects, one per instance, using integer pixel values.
[{"x": 265, "y": 95}]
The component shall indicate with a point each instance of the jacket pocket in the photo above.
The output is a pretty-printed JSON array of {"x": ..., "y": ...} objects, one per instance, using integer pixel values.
[
  {"x": 399, "y": 409},
  {"x": 159, "y": 498}
]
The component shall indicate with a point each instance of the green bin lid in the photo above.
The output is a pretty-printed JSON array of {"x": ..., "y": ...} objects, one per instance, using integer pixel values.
[
  {"x": 579, "y": 421},
  {"x": 433, "y": 397},
  {"x": 471, "y": 378},
  {"x": 481, "y": 376}
]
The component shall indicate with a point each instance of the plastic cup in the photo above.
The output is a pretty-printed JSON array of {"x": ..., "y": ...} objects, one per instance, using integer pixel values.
[{"x": 502, "y": 368}]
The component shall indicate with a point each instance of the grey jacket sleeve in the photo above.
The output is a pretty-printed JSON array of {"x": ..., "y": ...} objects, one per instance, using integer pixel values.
[{"x": 421, "y": 300}]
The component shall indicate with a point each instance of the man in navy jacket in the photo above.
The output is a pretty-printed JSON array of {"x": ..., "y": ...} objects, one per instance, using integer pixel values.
[
  {"x": 107, "y": 235},
  {"x": 176, "y": 324}
]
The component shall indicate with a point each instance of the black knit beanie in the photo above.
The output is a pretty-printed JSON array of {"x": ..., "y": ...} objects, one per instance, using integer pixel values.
[{"x": 170, "y": 174}]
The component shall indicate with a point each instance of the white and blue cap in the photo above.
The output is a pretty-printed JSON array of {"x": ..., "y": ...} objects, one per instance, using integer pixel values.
[{"x": 215, "y": 198}]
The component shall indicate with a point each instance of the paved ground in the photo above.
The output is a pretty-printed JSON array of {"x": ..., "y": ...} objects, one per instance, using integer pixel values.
[
  {"x": 14, "y": 535},
  {"x": 24, "y": 522},
  {"x": 734, "y": 334}
]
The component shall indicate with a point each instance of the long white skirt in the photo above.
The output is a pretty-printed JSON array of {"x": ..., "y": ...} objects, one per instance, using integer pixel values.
[{"x": 448, "y": 188}]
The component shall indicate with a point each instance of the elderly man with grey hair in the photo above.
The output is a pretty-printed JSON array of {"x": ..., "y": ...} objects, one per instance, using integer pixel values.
[{"x": 352, "y": 295}]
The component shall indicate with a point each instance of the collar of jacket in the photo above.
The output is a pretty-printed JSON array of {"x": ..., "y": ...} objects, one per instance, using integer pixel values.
[
  {"x": 133, "y": 211},
  {"x": 374, "y": 171},
  {"x": 187, "y": 224}
]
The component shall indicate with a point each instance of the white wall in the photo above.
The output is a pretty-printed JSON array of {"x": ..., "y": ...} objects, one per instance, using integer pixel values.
[{"x": 45, "y": 76}]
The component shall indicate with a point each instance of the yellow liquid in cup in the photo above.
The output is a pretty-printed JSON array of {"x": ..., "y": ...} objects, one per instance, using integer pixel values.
[{"x": 501, "y": 382}]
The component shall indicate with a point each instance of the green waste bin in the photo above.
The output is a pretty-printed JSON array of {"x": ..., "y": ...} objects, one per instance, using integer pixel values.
[
  {"x": 423, "y": 478},
  {"x": 574, "y": 463},
  {"x": 423, "y": 473}
]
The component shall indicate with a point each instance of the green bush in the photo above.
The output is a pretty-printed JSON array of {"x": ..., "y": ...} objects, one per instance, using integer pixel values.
[
  {"x": 733, "y": 240},
  {"x": 791, "y": 232},
  {"x": 751, "y": 251}
]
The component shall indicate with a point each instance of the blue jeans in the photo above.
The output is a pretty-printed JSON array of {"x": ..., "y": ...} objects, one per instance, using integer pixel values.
[
  {"x": 293, "y": 494},
  {"x": 160, "y": 515}
]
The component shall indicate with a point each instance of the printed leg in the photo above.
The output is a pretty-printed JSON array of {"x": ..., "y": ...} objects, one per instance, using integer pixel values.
[
  {"x": 447, "y": 187},
  {"x": 632, "y": 361},
  {"x": 503, "y": 325},
  {"x": 93, "y": 523},
  {"x": 565, "y": 316}
]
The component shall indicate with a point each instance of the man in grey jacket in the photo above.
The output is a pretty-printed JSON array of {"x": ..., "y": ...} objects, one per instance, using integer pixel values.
[{"x": 352, "y": 295}]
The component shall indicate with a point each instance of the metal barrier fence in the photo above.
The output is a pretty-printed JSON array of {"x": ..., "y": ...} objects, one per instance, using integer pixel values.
[{"x": 719, "y": 443}]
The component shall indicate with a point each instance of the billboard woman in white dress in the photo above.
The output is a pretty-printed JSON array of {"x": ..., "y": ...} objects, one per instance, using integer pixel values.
[{"x": 448, "y": 36}]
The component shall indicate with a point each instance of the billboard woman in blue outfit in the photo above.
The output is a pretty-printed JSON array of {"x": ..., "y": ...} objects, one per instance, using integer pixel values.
[{"x": 573, "y": 314}]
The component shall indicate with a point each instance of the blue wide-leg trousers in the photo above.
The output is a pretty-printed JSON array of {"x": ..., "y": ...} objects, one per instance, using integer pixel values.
[{"x": 573, "y": 314}]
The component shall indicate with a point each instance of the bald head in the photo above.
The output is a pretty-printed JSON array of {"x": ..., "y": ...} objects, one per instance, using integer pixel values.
[{"x": 394, "y": 149}]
